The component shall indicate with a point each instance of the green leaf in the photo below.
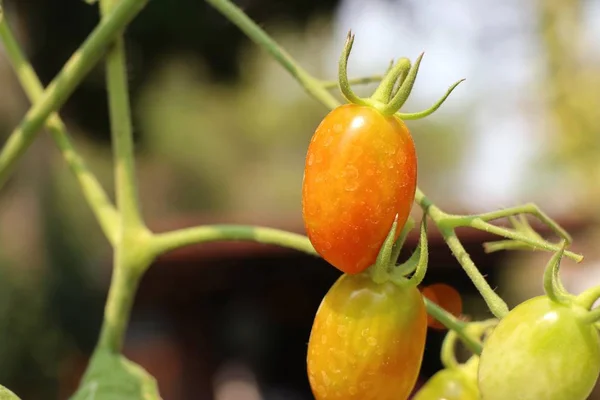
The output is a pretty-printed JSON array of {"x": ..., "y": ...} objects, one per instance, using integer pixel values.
[
  {"x": 6, "y": 394},
  {"x": 113, "y": 377}
]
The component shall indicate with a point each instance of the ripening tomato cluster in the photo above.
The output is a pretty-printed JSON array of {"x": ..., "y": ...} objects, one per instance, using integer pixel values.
[
  {"x": 360, "y": 178},
  {"x": 369, "y": 332}
]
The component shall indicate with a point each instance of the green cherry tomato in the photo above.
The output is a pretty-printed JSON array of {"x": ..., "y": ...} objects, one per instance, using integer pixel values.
[
  {"x": 450, "y": 384},
  {"x": 367, "y": 341},
  {"x": 541, "y": 350},
  {"x": 360, "y": 172}
]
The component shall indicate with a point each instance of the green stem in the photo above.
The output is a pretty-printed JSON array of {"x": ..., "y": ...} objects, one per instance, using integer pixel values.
[
  {"x": 168, "y": 241},
  {"x": 261, "y": 38},
  {"x": 94, "y": 194},
  {"x": 59, "y": 90},
  {"x": 454, "y": 324},
  {"x": 495, "y": 303},
  {"x": 448, "y": 356},
  {"x": 123, "y": 286},
  {"x": 532, "y": 242},
  {"x": 132, "y": 253},
  {"x": 529, "y": 208},
  {"x": 121, "y": 132}
]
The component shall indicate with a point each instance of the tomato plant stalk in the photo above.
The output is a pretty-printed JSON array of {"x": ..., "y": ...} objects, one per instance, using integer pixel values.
[
  {"x": 63, "y": 85},
  {"x": 94, "y": 194}
]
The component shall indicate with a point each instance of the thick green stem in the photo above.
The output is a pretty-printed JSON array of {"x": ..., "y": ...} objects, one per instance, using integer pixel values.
[
  {"x": 59, "y": 90},
  {"x": 261, "y": 38},
  {"x": 132, "y": 253},
  {"x": 494, "y": 302},
  {"x": 168, "y": 241},
  {"x": 94, "y": 194},
  {"x": 122, "y": 137},
  {"x": 123, "y": 287}
]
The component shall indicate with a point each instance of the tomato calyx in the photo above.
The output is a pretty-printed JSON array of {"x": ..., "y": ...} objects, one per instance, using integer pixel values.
[
  {"x": 385, "y": 268},
  {"x": 553, "y": 286},
  {"x": 394, "y": 89},
  {"x": 554, "y": 289}
]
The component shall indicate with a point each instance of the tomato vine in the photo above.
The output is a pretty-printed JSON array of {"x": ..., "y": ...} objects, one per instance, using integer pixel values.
[{"x": 135, "y": 246}]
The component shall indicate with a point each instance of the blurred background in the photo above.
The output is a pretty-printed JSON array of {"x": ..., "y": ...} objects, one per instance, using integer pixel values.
[{"x": 221, "y": 134}]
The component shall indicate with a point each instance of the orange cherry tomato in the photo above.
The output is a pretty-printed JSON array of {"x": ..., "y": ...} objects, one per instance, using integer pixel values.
[
  {"x": 360, "y": 171},
  {"x": 446, "y": 297},
  {"x": 367, "y": 341}
]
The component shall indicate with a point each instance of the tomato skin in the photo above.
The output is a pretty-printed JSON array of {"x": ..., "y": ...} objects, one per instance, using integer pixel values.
[
  {"x": 360, "y": 171},
  {"x": 367, "y": 341},
  {"x": 449, "y": 384},
  {"x": 540, "y": 350}
]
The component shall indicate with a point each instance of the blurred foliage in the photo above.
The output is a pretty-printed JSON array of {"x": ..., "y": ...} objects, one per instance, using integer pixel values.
[{"x": 571, "y": 89}]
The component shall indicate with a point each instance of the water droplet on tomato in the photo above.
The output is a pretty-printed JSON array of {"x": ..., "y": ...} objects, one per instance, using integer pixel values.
[
  {"x": 372, "y": 341},
  {"x": 311, "y": 158},
  {"x": 351, "y": 186},
  {"x": 350, "y": 175}
]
